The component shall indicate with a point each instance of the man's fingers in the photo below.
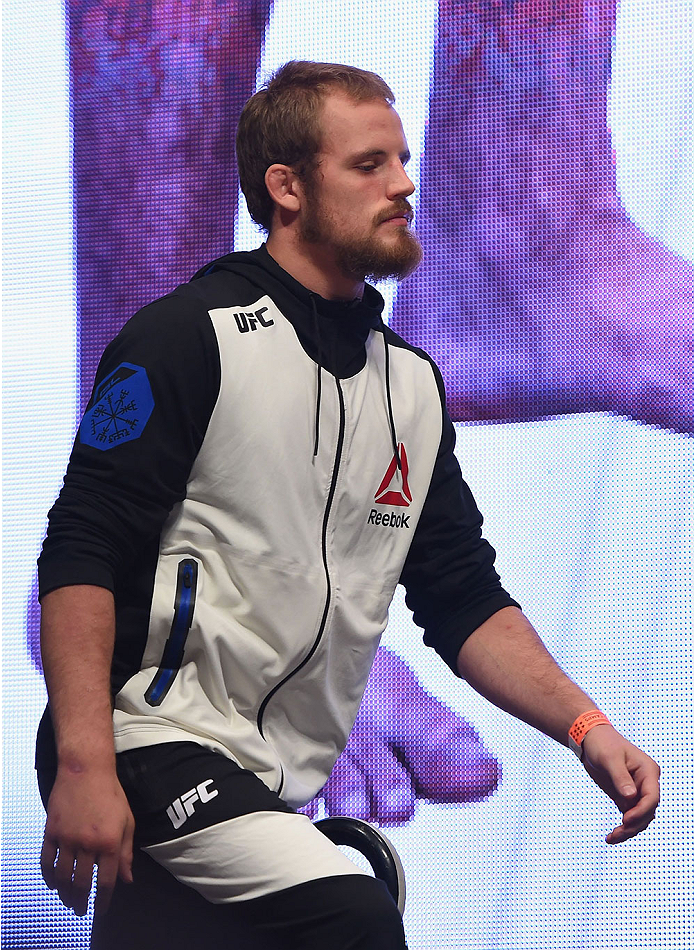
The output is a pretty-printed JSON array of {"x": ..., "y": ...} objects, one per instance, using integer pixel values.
[
  {"x": 71, "y": 875},
  {"x": 644, "y": 808},
  {"x": 125, "y": 864},
  {"x": 68, "y": 873},
  {"x": 105, "y": 882},
  {"x": 115, "y": 861},
  {"x": 635, "y": 788},
  {"x": 628, "y": 829},
  {"x": 49, "y": 852},
  {"x": 82, "y": 882},
  {"x": 638, "y": 817},
  {"x": 620, "y": 784},
  {"x": 67, "y": 866},
  {"x": 634, "y": 820},
  {"x": 89, "y": 823}
]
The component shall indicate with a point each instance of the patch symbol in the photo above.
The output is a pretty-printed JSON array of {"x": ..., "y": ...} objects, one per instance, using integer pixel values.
[
  {"x": 394, "y": 489},
  {"x": 120, "y": 409}
]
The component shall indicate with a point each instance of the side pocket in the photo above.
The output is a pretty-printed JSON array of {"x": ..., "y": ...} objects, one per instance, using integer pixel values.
[{"x": 172, "y": 657}]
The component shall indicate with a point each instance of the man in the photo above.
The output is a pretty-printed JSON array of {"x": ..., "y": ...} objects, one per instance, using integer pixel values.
[{"x": 262, "y": 461}]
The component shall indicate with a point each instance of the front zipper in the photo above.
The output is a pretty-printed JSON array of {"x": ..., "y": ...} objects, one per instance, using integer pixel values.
[
  {"x": 172, "y": 657},
  {"x": 324, "y": 551}
]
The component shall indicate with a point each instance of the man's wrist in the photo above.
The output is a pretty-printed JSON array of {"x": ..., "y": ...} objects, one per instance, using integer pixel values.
[
  {"x": 581, "y": 726},
  {"x": 92, "y": 758}
]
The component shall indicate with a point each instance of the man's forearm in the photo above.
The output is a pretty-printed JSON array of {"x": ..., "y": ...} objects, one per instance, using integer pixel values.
[
  {"x": 88, "y": 819},
  {"x": 77, "y": 636},
  {"x": 505, "y": 661}
]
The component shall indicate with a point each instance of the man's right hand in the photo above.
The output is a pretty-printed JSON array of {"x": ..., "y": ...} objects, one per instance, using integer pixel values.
[
  {"x": 89, "y": 820},
  {"x": 89, "y": 823}
]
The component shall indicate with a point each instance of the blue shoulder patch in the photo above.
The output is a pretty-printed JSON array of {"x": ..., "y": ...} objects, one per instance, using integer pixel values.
[{"x": 120, "y": 409}]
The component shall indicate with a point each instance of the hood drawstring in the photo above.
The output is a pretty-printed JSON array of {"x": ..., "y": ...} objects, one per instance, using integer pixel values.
[
  {"x": 389, "y": 401},
  {"x": 319, "y": 385},
  {"x": 319, "y": 381}
]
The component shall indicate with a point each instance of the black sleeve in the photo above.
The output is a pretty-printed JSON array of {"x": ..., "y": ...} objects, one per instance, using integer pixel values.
[
  {"x": 156, "y": 386},
  {"x": 449, "y": 576}
]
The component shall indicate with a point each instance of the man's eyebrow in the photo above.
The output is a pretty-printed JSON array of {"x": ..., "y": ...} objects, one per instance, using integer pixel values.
[{"x": 377, "y": 153}]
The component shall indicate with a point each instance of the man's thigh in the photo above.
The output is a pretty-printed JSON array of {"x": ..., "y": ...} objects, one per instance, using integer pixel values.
[
  {"x": 217, "y": 828},
  {"x": 157, "y": 912},
  {"x": 222, "y": 861}
]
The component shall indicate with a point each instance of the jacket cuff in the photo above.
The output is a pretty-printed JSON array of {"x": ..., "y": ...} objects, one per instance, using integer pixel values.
[
  {"x": 448, "y": 637},
  {"x": 54, "y": 574}
]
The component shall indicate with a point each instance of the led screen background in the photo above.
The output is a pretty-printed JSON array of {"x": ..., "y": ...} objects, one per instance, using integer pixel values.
[{"x": 585, "y": 483}]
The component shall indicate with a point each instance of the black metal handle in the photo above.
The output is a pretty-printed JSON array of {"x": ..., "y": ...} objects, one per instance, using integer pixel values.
[{"x": 376, "y": 848}]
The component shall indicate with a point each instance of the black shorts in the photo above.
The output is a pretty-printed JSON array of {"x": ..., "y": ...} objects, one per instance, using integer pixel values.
[{"x": 222, "y": 861}]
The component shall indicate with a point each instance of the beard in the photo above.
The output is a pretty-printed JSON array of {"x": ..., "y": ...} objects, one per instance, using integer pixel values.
[{"x": 364, "y": 257}]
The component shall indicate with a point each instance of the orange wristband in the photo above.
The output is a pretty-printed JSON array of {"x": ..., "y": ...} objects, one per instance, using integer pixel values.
[{"x": 582, "y": 727}]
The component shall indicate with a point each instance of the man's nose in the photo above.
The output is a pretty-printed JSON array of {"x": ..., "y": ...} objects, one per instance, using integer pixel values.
[{"x": 400, "y": 185}]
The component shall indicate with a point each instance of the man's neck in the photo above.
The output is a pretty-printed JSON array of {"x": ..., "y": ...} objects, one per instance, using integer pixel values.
[{"x": 311, "y": 266}]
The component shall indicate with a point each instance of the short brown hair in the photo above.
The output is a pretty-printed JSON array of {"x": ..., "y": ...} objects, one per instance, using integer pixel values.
[{"x": 281, "y": 124}]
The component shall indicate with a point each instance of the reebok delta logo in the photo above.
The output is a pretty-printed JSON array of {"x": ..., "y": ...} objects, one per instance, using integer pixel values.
[
  {"x": 182, "y": 808},
  {"x": 394, "y": 490}
]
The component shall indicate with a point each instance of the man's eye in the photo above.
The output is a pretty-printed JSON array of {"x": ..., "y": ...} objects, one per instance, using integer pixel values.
[{"x": 366, "y": 168}]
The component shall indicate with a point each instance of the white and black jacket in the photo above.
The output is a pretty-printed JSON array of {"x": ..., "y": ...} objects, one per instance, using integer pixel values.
[{"x": 236, "y": 483}]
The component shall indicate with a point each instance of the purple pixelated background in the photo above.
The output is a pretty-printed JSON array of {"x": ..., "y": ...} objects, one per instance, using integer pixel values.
[{"x": 538, "y": 295}]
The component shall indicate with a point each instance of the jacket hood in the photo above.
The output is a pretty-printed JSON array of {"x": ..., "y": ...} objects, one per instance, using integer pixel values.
[{"x": 332, "y": 332}]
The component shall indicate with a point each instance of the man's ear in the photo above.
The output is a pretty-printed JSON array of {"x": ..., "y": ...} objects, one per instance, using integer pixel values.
[{"x": 284, "y": 187}]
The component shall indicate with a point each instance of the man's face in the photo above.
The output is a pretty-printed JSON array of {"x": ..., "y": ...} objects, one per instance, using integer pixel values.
[{"x": 356, "y": 206}]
